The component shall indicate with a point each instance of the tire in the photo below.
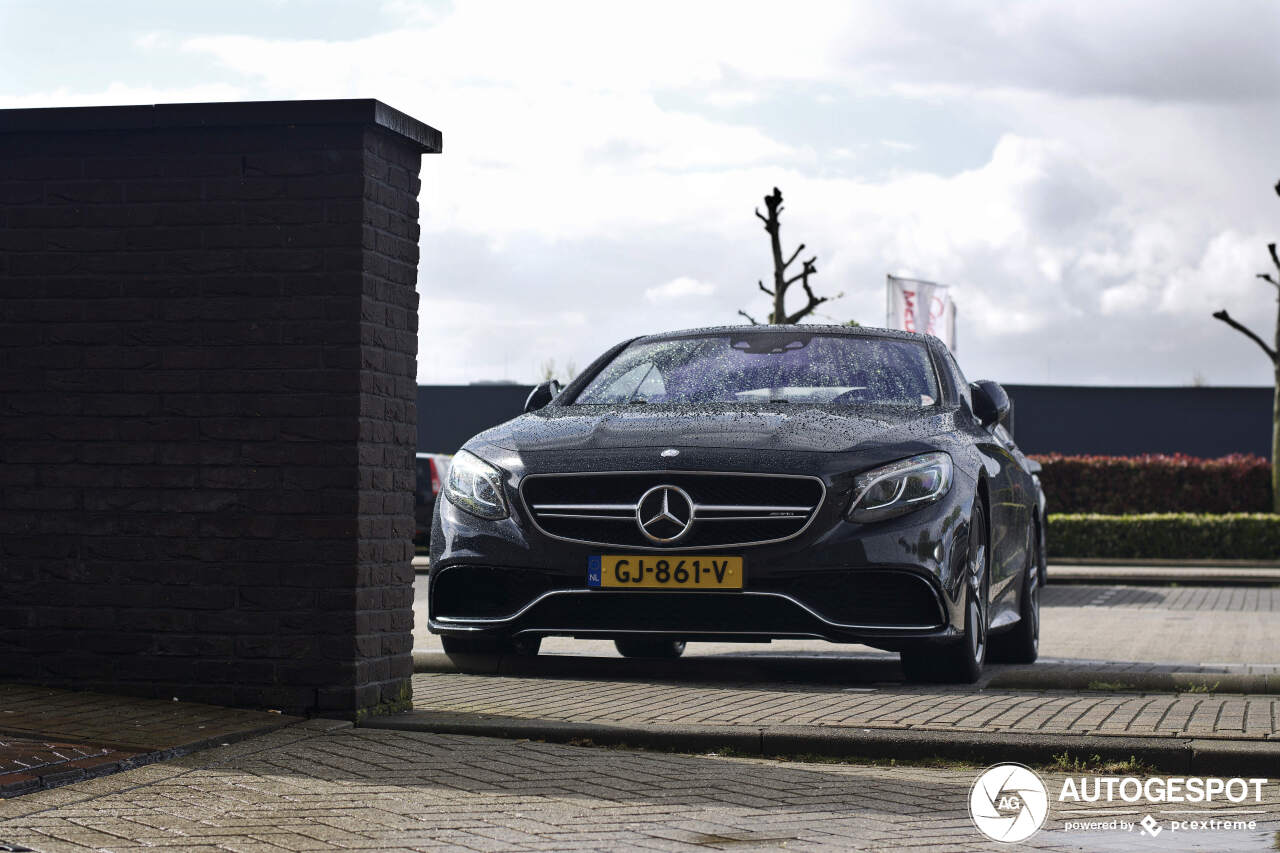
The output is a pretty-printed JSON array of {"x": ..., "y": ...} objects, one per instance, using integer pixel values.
[
  {"x": 1021, "y": 643},
  {"x": 649, "y": 647},
  {"x": 495, "y": 646},
  {"x": 961, "y": 662}
]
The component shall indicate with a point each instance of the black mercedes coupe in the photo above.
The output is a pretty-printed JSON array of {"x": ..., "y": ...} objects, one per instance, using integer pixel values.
[{"x": 745, "y": 484}]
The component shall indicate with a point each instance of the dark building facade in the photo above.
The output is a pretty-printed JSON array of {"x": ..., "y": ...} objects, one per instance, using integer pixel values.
[{"x": 1207, "y": 422}]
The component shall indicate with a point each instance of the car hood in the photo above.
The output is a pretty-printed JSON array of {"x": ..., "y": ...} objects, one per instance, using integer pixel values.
[{"x": 776, "y": 427}]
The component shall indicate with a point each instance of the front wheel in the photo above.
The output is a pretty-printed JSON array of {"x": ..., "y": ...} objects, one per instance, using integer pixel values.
[{"x": 960, "y": 662}]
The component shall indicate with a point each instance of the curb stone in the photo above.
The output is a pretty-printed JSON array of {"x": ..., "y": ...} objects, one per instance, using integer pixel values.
[
  {"x": 865, "y": 671},
  {"x": 1176, "y": 755},
  {"x": 814, "y": 670},
  {"x": 1163, "y": 682}
]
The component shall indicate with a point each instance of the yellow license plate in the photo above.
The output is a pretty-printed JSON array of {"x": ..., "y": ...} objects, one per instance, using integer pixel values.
[{"x": 666, "y": 572}]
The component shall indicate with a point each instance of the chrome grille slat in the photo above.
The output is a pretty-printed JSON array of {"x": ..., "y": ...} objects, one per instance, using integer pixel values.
[
  {"x": 570, "y": 507},
  {"x": 752, "y": 508},
  {"x": 602, "y": 507}
]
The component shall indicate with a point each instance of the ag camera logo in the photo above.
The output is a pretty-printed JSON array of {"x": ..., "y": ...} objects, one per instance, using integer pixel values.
[{"x": 1008, "y": 802}]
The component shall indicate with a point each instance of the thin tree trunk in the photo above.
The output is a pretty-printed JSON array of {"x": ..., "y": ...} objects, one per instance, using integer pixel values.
[
  {"x": 779, "y": 272},
  {"x": 1275, "y": 443}
]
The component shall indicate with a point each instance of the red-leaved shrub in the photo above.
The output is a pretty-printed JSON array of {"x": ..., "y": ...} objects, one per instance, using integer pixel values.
[{"x": 1118, "y": 485}]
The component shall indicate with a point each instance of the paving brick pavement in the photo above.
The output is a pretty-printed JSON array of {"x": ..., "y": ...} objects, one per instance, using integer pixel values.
[
  {"x": 639, "y": 703},
  {"x": 1236, "y": 599},
  {"x": 326, "y": 786},
  {"x": 124, "y": 721},
  {"x": 28, "y": 764},
  {"x": 51, "y": 737}
]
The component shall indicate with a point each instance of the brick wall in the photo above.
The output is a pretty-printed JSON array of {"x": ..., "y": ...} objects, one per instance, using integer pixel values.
[{"x": 207, "y": 357}]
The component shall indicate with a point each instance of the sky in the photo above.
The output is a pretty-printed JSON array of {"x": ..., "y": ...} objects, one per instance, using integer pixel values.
[{"x": 1092, "y": 179}]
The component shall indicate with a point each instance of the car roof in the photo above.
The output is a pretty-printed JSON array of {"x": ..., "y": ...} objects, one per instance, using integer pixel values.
[{"x": 802, "y": 328}]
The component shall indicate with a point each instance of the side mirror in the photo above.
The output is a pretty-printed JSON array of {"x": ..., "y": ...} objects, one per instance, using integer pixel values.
[
  {"x": 541, "y": 395},
  {"x": 990, "y": 402}
]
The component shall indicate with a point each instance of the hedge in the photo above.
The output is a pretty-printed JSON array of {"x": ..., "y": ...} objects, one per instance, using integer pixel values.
[
  {"x": 1122, "y": 485},
  {"x": 1242, "y": 536}
]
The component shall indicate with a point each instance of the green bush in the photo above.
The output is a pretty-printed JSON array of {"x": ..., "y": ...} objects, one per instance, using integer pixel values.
[
  {"x": 1155, "y": 483},
  {"x": 1171, "y": 536}
]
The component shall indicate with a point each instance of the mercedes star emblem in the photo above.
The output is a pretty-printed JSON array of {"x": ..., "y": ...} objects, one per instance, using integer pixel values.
[{"x": 665, "y": 513}]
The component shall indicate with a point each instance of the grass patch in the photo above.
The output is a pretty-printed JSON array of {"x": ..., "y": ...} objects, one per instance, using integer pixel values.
[
  {"x": 1067, "y": 763},
  {"x": 1199, "y": 688}
]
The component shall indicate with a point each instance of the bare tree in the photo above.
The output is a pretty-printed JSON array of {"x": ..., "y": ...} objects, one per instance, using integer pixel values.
[
  {"x": 549, "y": 371},
  {"x": 1273, "y": 353},
  {"x": 781, "y": 281}
]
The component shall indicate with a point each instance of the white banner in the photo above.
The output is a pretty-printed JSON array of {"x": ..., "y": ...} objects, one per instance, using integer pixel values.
[{"x": 921, "y": 306}]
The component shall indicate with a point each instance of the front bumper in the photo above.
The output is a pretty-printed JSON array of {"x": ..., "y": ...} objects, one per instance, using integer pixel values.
[{"x": 891, "y": 584}]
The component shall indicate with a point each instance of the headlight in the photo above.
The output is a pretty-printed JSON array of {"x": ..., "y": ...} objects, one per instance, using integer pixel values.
[
  {"x": 900, "y": 487},
  {"x": 475, "y": 486}
]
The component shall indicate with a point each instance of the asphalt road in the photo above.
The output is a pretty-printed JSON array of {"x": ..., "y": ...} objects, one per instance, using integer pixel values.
[{"x": 1155, "y": 624}]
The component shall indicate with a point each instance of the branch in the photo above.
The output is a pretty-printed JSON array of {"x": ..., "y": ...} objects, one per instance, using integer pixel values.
[
  {"x": 804, "y": 273},
  {"x": 760, "y": 284},
  {"x": 791, "y": 259},
  {"x": 1271, "y": 247},
  {"x": 1226, "y": 318},
  {"x": 1268, "y": 279},
  {"x": 814, "y": 301},
  {"x": 762, "y": 219},
  {"x": 749, "y": 317}
]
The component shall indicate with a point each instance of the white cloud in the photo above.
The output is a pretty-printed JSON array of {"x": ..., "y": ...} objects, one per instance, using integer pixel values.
[
  {"x": 120, "y": 93},
  {"x": 1118, "y": 188},
  {"x": 679, "y": 289}
]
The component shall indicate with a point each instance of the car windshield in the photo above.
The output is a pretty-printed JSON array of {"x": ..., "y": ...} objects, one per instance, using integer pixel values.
[{"x": 768, "y": 367}]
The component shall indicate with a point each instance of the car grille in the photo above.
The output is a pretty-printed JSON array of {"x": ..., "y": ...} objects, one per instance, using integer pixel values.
[{"x": 728, "y": 509}]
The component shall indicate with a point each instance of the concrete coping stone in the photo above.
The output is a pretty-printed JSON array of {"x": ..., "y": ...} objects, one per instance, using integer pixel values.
[{"x": 228, "y": 114}]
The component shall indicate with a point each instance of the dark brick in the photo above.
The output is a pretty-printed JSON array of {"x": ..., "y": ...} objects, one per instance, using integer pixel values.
[{"x": 180, "y": 189}]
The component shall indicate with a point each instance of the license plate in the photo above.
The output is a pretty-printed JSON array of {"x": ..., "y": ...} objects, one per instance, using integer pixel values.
[{"x": 667, "y": 572}]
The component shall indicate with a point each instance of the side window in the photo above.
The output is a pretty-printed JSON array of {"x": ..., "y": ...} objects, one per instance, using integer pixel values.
[{"x": 962, "y": 384}]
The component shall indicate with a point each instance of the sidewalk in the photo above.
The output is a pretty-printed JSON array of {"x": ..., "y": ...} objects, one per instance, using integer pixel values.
[
  {"x": 53, "y": 737},
  {"x": 496, "y": 763},
  {"x": 1202, "y": 732},
  {"x": 325, "y": 786}
]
